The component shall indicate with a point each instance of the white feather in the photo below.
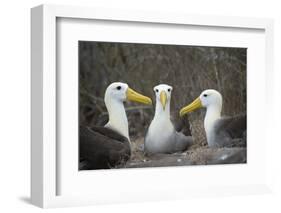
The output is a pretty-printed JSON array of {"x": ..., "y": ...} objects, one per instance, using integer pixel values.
[
  {"x": 161, "y": 136},
  {"x": 114, "y": 103}
]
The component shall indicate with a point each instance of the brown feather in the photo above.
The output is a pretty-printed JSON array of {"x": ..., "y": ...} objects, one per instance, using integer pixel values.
[
  {"x": 231, "y": 131},
  {"x": 102, "y": 148}
]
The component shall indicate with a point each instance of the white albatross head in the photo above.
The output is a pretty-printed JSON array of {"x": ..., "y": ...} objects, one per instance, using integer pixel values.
[
  {"x": 115, "y": 94},
  {"x": 209, "y": 98},
  {"x": 163, "y": 94},
  {"x": 121, "y": 92}
]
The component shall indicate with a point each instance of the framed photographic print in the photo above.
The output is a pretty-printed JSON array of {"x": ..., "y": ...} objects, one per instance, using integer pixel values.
[{"x": 132, "y": 105}]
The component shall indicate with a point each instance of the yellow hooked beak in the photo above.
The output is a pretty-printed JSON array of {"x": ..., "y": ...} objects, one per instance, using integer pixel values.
[
  {"x": 134, "y": 96},
  {"x": 163, "y": 99},
  {"x": 191, "y": 107}
]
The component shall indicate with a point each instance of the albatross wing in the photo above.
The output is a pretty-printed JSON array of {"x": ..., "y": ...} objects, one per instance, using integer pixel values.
[
  {"x": 182, "y": 142},
  {"x": 231, "y": 131},
  {"x": 102, "y": 148}
]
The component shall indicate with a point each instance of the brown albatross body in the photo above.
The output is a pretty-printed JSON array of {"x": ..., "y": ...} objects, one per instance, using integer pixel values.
[
  {"x": 109, "y": 146},
  {"x": 102, "y": 148}
]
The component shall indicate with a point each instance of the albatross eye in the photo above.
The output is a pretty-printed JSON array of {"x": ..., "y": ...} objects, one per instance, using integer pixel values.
[
  {"x": 169, "y": 90},
  {"x": 205, "y": 95},
  {"x": 157, "y": 90},
  {"x": 119, "y": 87}
]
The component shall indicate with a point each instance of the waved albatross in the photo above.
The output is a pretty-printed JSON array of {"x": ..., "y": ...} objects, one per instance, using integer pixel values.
[
  {"x": 220, "y": 131},
  {"x": 108, "y": 146},
  {"x": 161, "y": 136}
]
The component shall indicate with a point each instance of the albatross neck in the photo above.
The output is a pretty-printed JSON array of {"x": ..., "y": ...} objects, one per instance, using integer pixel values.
[
  {"x": 117, "y": 117},
  {"x": 213, "y": 113},
  {"x": 160, "y": 112}
]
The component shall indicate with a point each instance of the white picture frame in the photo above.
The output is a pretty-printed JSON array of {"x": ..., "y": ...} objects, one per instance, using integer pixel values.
[{"x": 44, "y": 155}]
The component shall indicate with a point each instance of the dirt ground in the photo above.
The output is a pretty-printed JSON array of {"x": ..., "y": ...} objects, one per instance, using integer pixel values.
[{"x": 196, "y": 155}]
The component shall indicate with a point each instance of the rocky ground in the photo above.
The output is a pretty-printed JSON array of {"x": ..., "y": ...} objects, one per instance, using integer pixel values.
[{"x": 196, "y": 155}]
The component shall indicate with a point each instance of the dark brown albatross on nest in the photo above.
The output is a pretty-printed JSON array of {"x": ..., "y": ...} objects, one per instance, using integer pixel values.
[{"x": 109, "y": 146}]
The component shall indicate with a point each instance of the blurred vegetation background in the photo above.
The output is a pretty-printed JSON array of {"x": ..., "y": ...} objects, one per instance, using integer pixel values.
[{"x": 189, "y": 69}]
